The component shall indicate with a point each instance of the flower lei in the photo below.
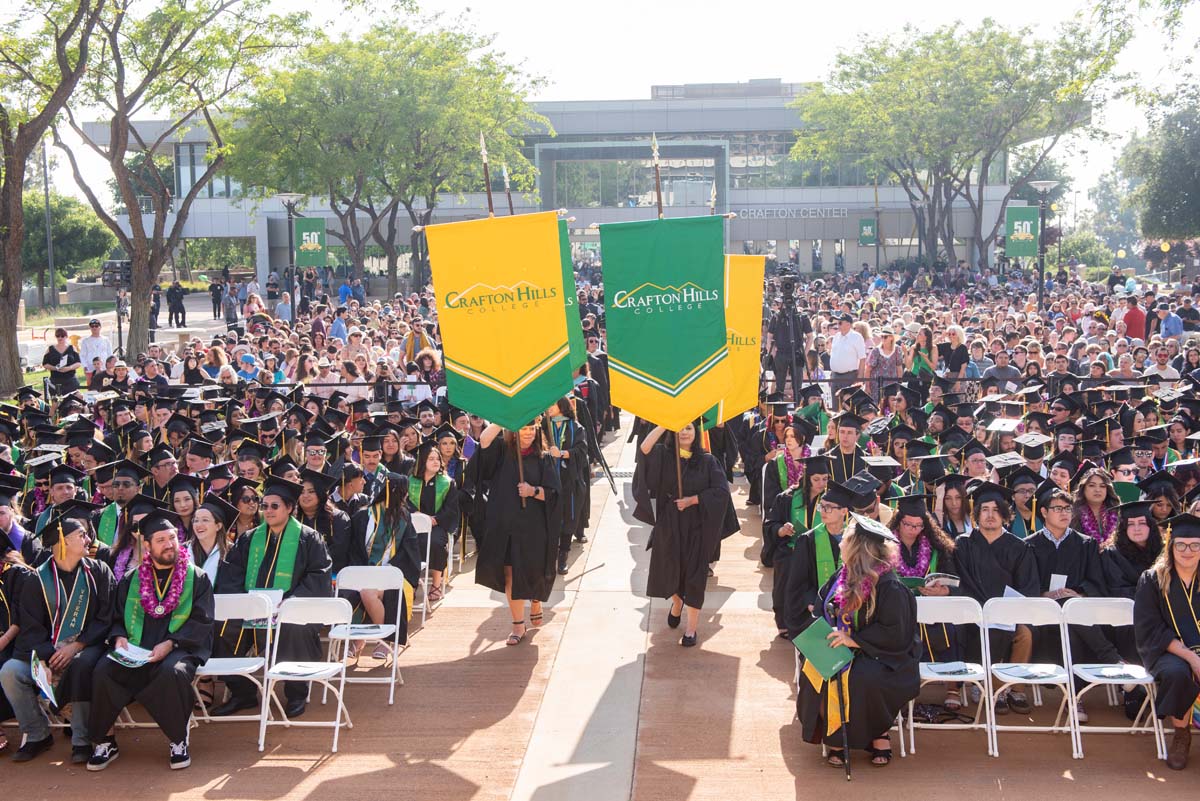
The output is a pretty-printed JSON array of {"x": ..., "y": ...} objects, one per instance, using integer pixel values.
[
  {"x": 146, "y": 581},
  {"x": 1091, "y": 526},
  {"x": 839, "y": 594},
  {"x": 795, "y": 467},
  {"x": 924, "y": 556},
  {"x": 39, "y": 500}
]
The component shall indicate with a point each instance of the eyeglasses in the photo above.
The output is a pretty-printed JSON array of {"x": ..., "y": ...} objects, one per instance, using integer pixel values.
[
  {"x": 119, "y": 483},
  {"x": 252, "y": 499},
  {"x": 1182, "y": 547},
  {"x": 270, "y": 507},
  {"x": 1059, "y": 509}
]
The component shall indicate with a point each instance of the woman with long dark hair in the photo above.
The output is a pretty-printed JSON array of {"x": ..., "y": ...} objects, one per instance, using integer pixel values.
[
  {"x": 688, "y": 525},
  {"x": 521, "y": 521},
  {"x": 567, "y": 445},
  {"x": 792, "y": 513},
  {"x": 1165, "y": 611},
  {"x": 433, "y": 493},
  {"x": 314, "y": 509},
  {"x": 873, "y": 613},
  {"x": 1096, "y": 505},
  {"x": 786, "y": 465}
]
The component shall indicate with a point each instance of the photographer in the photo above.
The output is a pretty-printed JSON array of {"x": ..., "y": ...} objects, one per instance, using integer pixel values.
[{"x": 789, "y": 335}]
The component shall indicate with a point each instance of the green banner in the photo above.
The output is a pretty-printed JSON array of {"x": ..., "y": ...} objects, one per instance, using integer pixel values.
[
  {"x": 867, "y": 235},
  {"x": 310, "y": 241},
  {"x": 571, "y": 299},
  {"x": 1021, "y": 231},
  {"x": 667, "y": 349}
]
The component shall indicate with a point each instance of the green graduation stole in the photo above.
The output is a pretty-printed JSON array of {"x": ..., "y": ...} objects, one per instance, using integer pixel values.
[
  {"x": 798, "y": 517},
  {"x": 106, "y": 532},
  {"x": 827, "y": 562},
  {"x": 781, "y": 469},
  {"x": 135, "y": 615},
  {"x": 67, "y": 615},
  {"x": 380, "y": 541},
  {"x": 814, "y": 413},
  {"x": 42, "y": 520},
  {"x": 285, "y": 556},
  {"x": 441, "y": 487}
]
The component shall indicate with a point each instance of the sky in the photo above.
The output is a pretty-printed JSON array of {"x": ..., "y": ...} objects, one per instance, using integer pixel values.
[{"x": 616, "y": 49}]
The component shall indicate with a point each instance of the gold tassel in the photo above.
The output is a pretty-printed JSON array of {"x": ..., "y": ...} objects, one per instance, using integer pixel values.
[
  {"x": 1167, "y": 538},
  {"x": 61, "y": 545}
]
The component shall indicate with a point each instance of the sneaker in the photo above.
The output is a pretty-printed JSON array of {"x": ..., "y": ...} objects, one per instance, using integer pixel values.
[
  {"x": 974, "y": 694},
  {"x": 31, "y": 748},
  {"x": 103, "y": 755},
  {"x": 1018, "y": 703},
  {"x": 180, "y": 758},
  {"x": 1081, "y": 714},
  {"x": 1001, "y": 707}
]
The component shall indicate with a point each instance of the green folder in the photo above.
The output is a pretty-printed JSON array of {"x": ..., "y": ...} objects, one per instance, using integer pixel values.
[
  {"x": 1127, "y": 492},
  {"x": 912, "y": 582},
  {"x": 814, "y": 645}
]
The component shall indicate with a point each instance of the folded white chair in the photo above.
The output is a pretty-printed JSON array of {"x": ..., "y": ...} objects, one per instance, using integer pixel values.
[
  {"x": 369, "y": 577},
  {"x": 252, "y": 607}
]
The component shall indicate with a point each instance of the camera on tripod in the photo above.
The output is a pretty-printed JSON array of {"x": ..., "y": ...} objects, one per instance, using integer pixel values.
[{"x": 787, "y": 282}]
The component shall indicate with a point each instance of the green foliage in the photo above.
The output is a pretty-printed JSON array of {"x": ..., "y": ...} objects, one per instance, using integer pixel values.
[
  {"x": 80, "y": 239},
  {"x": 1167, "y": 162},
  {"x": 938, "y": 112},
  {"x": 1050, "y": 169},
  {"x": 1088, "y": 247},
  {"x": 213, "y": 253}
]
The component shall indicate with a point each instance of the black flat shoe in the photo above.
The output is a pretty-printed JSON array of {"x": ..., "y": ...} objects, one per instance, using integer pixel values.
[
  {"x": 581, "y": 538},
  {"x": 80, "y": 754},
  {"x": 673, "y": 620},
  {"x": 688, "y": 640},
  {"x": 562, "y": 564},
  {"x": 32, "y": 748},
  {"x": 233, "y": 705},
  {"x": 295, "y": 709}
]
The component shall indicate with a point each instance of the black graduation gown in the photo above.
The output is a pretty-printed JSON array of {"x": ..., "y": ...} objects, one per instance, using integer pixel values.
[
  {"x": 10, "y": 586},
  {"x": 524, "y": 537},
  {"x": 1152, "y": 625},
  {"x": 723, "y": 446},
  {"x": 940, "y": 642},
  {"x": 681, "y": 543},
  {"x": 29, "y": 547},
  {"x": 407, "y": 557},
  {"x": 984, "y": 569},
  {"x": 448, "y": 519},
  {"x": 885, "y": 673},
  {"x": 334, "y": 528},
  {"x": 777, "y": 551},
  {"x": 771, "y": 485},
  {"x": 758, "y": 444},
  {"x": 1120, "y": 580},
  {"x": 164, "y": 688},
  {"x": 800, "y": 591},
  {"x": 843, "y": 465},
  {"x": 33, "y": 617},
  {"x": 1078, "y": 558},
  {"x": 574, "y": 474},
  {"x": 311, "y": 578}
]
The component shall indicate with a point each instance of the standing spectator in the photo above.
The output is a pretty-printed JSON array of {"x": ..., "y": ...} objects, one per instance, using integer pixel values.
[
  {"x": 216, "y": 291},
  {"x": 1170, "y": 326},
  {"x": 884, "y": 364},
  {"x": 229, "y": 306},
  {"x": 62, "y": 360},
  {"x": 176, "y": 313},
  {"x": 155, "y": 307},
  {"x": 359, "y": 292},
  {"x": 847, "y": 355},
  {"x": 338, "y": 329},
  {"x": 345, "y": 291},
  {"x": 283, "y": 309},
  {"x": 94, "y": 346}
]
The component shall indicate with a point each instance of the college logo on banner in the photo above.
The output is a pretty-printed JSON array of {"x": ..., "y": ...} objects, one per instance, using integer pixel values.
[
  {"x": 667, "y": 340},
  {"x": 499, "y": 287}
]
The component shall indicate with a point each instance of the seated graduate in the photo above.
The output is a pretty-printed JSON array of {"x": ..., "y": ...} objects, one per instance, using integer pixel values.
[
  {"x": 1024, "y": 482},
  {"x": 315, "y": 510},
  {"x": 279, "y": 554},
  {"x": 1130, "y": 552},
  {"x": 990, "y": 559},
  {"x": 207, "y": 549},
  {"x": 432, "y": 492},
  {"x": 11, "y": 575},
  {"x": 873, "y": 613},
  {"x": 1165, "y": 609},
  {"x": 383, "y": 534},
  {"x": 16, "y": 543},
  {"x": 166, "y": 608},
  {"x": 64, "y": 613},
  {"x": 924, "y": 549},
  {"x": 816, "y": 556},
  {"x": 1074, "y": 558},
  {"x": 791, "y": 513}
]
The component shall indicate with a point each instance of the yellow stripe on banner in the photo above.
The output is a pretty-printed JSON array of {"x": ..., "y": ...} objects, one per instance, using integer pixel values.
[
  {"x": 743, "y": 323},
  {"x": 670, "y": 410},
  {"x": 833, "y": 712},
  {"x": 700, "y": 367},
  {"x": 466, "y": 372}
]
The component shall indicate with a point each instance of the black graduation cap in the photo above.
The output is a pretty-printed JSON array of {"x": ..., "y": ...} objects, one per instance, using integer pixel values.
[
  {"x": 253, "y": 449},
  {"x": 1120, "y": 457},
  {"x": 423, "y": 448},
  {"x": 360, "y": 406},
  {"x": 1184, "y": 527},
  {"x": 58, "y": 526},
  {"x": 143, "y": 504},
  {"x": 805, "y": 429},
  {"x": 818, "y": 465},
  {"x": 281, "y": 487},
  {"x": 914, "y": 396},
  {"x": 838, "y": 495},
  {"x": 365, "y": 428},
  {"x": 850, "y": 420},
  {"x": 1101, "y": 428},
  {"x": 101, "y": 452},
  {"x": 236, "y": 487},
  {"x": 1156, "y": 434},
  {"x": 1092, "y": 449},
  {"x": 447, "y": 430},
  {"x": 1136, "y": 509},
  {"x": 914, "y": 505},
  {"x": 863, "y": 486},
  {"x": 1159, "y": 482},
  {"x": 861, "y": 402},
  {"x": 1041, "y": 495},
  {"x": 372, "y": 443},
  {"x": 916, "y": 448},
  {"x": 811, "y": 391},
  {"x": 867, "y": 527},
  {"x": 1021, "y": 475},
  {"x": 25, "y": 393},
  {"x": 321, "y": 482},
  {"x": 282, "y": 465},
  {"x": 933, "y": 469},
  {"x": 953, "y": 480},
  {"x": 964, "y": 410},
  {"x": 179, "y": 424},
  {"x": 220, "y": 472},
  {"x": 315, "y": 438},
  {"x": 1067, "y": 401},
  {"x": 225, "y": 512},
  {"x": 397, "y": 407},
  {"x": 182, "y": 482},
  {"x": 952, "y": 438},
  {"x": 973, "y": 447},
  {"x": 425, "y": 405},
  {"x": 335, "y": 417},
  {"x": 156, "y": 521},
  {"x": 1065, "y": 460},
  {"x": 1068, "y": 428},
  {"x": 1144, "y": 443},
  {"x": 984, "y": 491},
  {"x": 104, "y": 473},
  {"x": 127, "y": 468},
  {"x": 300, "y": 412},
  {"x": 65, "y": 474},
  {"x": 199, "y": 446},
  {"x": 159, "y": 453}
]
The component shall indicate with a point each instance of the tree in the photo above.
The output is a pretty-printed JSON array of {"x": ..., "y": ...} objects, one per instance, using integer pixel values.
[
  {"x": 44, "y": 51},
  {"x": 80, "y": 239},
  {"x": 938, "y": 113},
  {"x": 187, "y": 61},
  {"x": 1115, "y": 219},
  {"x": 1167, "y": 162},
  {"x": 1051, "y": 169},
  {"x": 1088, "y": 247},
  {"x": 382, "y": 123}
]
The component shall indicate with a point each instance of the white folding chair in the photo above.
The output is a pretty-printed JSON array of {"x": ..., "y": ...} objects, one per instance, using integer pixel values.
[
  {"x": 310, "y": 612},
  {"x": 1032, "y": 612},
  {"x": 250, "y": 607},
  {"x": 1112, "y": 612},
  {"x": 423, "y": 524},
  {"x": 955, "y": 611},
  {"x": 762, "y": 494},
  {"x": 367, "y": 577}
]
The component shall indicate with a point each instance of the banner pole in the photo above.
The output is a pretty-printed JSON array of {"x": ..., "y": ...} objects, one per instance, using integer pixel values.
[
  {"x": 507, "y": 189},
  {"x": 678, "y": 467},
  {"x": 520, "y": 461},
  {"x": 657, "y": 174},
  {"x": 487, "y": 184}
]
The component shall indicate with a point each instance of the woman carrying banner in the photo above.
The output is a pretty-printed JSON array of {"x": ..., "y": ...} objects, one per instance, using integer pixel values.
[
  {"x": 874, "y": 614},
  {"x": 688, "y": 526},
  {"x": 521, "y": 521}
]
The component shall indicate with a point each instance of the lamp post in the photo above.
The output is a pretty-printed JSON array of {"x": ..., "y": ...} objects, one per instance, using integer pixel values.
[
  {"x": 289, "y": 201},
  {"x": 1043, "y": 188}
]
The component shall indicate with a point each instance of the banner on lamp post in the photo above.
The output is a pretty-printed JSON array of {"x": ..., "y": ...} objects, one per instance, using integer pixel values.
[
  {"x": 310, "y": 241},
  {"x": 1021, "y": 231},
  {"x": 867, "y": 235}
]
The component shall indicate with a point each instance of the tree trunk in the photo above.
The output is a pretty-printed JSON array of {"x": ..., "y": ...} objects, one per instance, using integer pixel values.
[
  {"x": 143, "y": 277},
  {"x": 12, "y": 235}
]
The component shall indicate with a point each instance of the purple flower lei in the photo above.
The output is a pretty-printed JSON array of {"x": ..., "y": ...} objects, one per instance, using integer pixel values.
[
  {"x": 1091, "y": 526},
  {"x": 146, "y": 589},
  {"x": 839, "y": 596},
  {"x": 924, "y": 556},
  {"x": 795, "y": 467}
]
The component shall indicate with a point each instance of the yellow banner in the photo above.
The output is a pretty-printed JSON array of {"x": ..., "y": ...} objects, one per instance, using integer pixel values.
[{"x": 743, "y": 323}]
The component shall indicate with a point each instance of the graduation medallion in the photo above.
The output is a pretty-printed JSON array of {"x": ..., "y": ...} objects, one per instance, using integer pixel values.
[{"x": 160, "y": 610}]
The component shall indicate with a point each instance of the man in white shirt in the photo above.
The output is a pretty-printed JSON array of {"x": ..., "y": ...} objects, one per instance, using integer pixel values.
[
  {"x": 94, "y": 346},
  {"x": 847, "y": 355},
  {"x": 1162, "y": 366}
]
